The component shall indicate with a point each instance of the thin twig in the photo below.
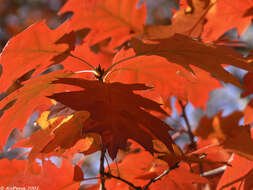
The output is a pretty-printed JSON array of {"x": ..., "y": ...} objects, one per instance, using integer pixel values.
[
  {"x": 109, "y": 175},
  {"x": 108, "y": 165},
  {"x": 102, "y": 169},
  {"x": 84, "y": 61},
  {"x": 160, "y": 176},
  {"x": 189, "y": 130}
]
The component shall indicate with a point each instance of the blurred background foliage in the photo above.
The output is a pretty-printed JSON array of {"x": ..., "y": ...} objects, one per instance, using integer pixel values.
[{"x": 16, "y": 15}]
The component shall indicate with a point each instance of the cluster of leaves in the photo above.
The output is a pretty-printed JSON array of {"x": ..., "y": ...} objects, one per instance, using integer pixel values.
[{"x": 102, "y": 82}]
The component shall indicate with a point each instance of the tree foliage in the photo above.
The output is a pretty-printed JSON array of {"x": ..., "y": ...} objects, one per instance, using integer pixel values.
[{"x": 103, "y": 81}]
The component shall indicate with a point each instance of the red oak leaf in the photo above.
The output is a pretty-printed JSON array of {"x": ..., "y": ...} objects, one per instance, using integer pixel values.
[
  {"x": 188, "y": 21},
  {"x": 167, "y": 78},
  {"x": 225, "y": 15},
  {"x": 119, "y": 20},
  {"x": 230, "y": 135},
  {"x": 239, "y": 176},
  {"x": 43, "y": 177},
  {"x": 117, "y": 113},
  {"x": 31, "y": 49},
  {"x": 185, "y": 51},
  {"x": 20, "y": 105},
  {"x": 139, "y": 168}
]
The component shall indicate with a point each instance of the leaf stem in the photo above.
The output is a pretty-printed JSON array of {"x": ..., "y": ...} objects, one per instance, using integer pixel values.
[
  {"x": 102, "y": 169},
  {"x": 107, "y": 72},
  {"x": 214, "y": 171},
  {"x": 86, "y": 71},
  {"x": 84, "y": 61}
]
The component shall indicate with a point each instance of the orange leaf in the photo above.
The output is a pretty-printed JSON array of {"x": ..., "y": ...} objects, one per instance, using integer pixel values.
[
  {"x": 116, "y": 113},
  {"x": 30, "y": 98},
  {"x": 239, "y": 176},
  {"x": 231, "y": 136},
  {"x": 31, "y": 49},
  {"x": 49, "y": 176},
  {"x": 225, "y": 15},
  {"x": 119, "y": 20},
  {"x": 68, "y": 132},
  {"x": 188, "y": 21},
  {"x": 185, "y": 51},
  {"x": 248, "y": 113},
  {"x": 139, "y": 168},
  {"x": 167, "y": 78}
]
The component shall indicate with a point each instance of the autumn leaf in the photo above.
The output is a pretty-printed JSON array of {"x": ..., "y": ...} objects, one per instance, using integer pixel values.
[
  {"x": 239, "y": 176},
  {"x": 179, "y": 178},
  {"x": 185, "y": 51},
  {"x": 248, "y": 113},
  {"x": 248, "y": 90},
  {"x": 42, "y": 177},
  {"x": 31, "y": 49},
  {"x": 162, "y": 153},
  {"x": 189, "y": 20},
  {"x": 38, "y": 140},
  {"x": 121, "y": 70},
  {"x": 78, "y": 173},
  {"x": 132, "y": 165},
  {"x": 168, "y": 79},
  {"x": 225, "y": 15},
  {"x": 63, "y": 136},
  {"x": 68, "y": 132},
  {"x": 117, "y": 113},
  {"x": 227, "y": 131},
  {"x": 211, "y": 151},
  {"x": 139, "y": 168},
  {"x": 28, "y": 99},
  {"x": 247, "y": 84},
  {"x": 118, "y": 20}
]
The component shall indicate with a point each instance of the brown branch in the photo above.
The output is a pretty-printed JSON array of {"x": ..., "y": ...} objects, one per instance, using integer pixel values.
[
  {"x": 160, "y": 176},
  {"x": 108, "y": 165},
  {"x": 102, "y": 169},
  {"x": 109, "y": 175},
  {"x": 193, "y": 144},
  {"x": 189, "y": 130}
]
